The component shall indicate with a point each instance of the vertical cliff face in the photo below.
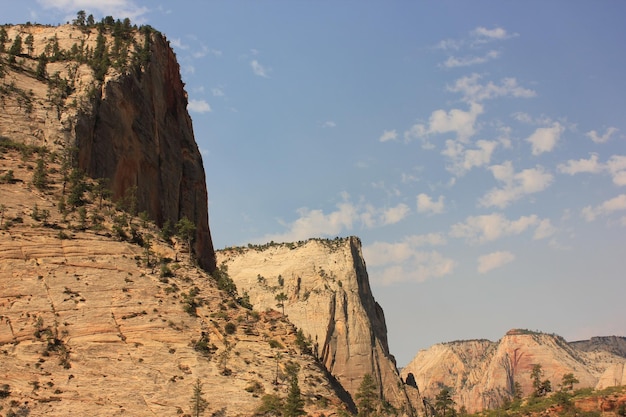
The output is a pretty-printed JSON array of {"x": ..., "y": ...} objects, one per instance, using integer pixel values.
[
  {"x": 131, "y": 128},
  {"x": 139, "y": 134},
  {"x": 482, "y": 373},
  {"x": 329, "y": 298}
]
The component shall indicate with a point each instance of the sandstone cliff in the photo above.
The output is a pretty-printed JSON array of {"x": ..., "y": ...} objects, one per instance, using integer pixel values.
[
  {"x": 482, "y": 373},
  {"x": 327, "y": 295},
  {"x": 130, "y": 127},
  {"x": 92, "y": 325}
]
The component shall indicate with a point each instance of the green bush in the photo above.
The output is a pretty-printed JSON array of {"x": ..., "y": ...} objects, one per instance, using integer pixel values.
[{"x": 230, "y": 328}]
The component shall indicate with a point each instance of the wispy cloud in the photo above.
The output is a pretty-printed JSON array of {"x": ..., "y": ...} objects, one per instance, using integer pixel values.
[
  {"x": 472, "y": 91},
  {"x": 515, "y": 185},
  {"x": 388, "y": 135},
  {"x": 466, "y": 61},
  {"x": 199, "y": 106},
  {"x": 425, "y": 204},
  {"x": 329, "y": 124},
  {"x": 259, "y": 69},
  {"x": 408, "y": 260},
  {"x": 491, "y": 227},
  {"x": 458, "y": 121},
  {"x": 606, "y": 208},
  {"x": 494, "y": 260},
  {"x": 347, "y": 216},
  {"x": 483, "y": 35},
  {"x": 217, "y": 92},
  {"x": 597, "y": 138},
  {"x": 462, "y": 159}
]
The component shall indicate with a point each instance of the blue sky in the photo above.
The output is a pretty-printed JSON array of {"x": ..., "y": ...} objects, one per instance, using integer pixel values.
[{"x": 477, "y": 148}]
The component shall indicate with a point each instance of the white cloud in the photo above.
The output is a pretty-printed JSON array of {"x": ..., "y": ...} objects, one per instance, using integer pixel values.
[
  {"x": 463, "y": 160},
  {"x": 388, "y": 135},
  {"x": 259, "y": 69},
  {"x": 606, "y": 208},
  {"x": 407, "y": 261},
  {"x": 490, "y": 227},
  {"x": 494, "y": 260},
  {"x": 449, "y": 44},
  {"x": 516, "y": 185},
  {"x": 594, "y": 136},
  {"x": 544, "y": 230},
  {"x": 455, "y": 121},
  {"x": 486, "y": 35},
  {"x": 199, "y": 106},
  {"x": 383, "y": 253},
  {"x": 425, "y": 204},
  {"x": 421, "y": 267},
  {"x": 116, "y": 8},
  {"x": 544, "y": 139},
  {"x": 453, "y": 62},
  {"x": 395, "y": 214},
  {"x": 615, "y": 166},
  {"x": 329, "y": 123},
  {"x": 573, "y": 167},
  {"x": 315, "y": 223},
  {"x": 473, "y": 91}
]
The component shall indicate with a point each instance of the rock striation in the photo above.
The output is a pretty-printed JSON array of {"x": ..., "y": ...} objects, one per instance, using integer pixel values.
[
  {"x": 323, "y": 287},
  {"x": 131, "y": 127},
  {"x": 483, "y": 373}
]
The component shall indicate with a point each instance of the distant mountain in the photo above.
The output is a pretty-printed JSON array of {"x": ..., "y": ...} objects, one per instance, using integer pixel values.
[{"x": 482, "y": 373}]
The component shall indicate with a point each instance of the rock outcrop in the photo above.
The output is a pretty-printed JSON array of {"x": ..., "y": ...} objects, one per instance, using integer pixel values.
[
  {"x": 483, "y": 374},
  {"x": 324, "y": 289},
  {"x": 132, "y": 127}
]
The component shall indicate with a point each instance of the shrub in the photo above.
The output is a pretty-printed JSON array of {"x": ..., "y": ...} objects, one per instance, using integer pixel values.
[
  {"x": 230, "y": 328},
  {"x": 275, "y": 344}
]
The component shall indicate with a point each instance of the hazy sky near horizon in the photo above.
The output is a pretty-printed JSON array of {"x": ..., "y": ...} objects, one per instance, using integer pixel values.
[{"x": 478, "y": 149}]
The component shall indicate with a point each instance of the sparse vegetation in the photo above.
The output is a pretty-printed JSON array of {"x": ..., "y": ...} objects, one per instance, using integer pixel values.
[{"x": 198, "y": 402}]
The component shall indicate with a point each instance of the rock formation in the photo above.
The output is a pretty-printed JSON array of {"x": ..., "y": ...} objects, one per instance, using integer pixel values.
[
  {"x": 131, "y": 127},
  {"x": 91, "y": 325},
  {"x": 325, "y": 293},
  {"x": 482, "y": 373}
]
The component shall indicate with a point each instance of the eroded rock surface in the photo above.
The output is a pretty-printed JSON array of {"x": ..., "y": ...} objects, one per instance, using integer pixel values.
[
  {"x": 327, "y": 296},
  {"x": 482, "y": 373}
]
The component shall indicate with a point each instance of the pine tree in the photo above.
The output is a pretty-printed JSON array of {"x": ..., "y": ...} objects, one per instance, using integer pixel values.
[
  {"x": 186, "y": 229},
  {"x": 3, "y": 38},
  {"x": 41, "y": 73},
  {"x": 367, "y": 397},
  {"x": 444, "y": 403},
  {"x": 29, "y": 44},
  {"x": 281, "y": 298},
  {"x": 198, "y": 403},
  {"x": 294, "y": 404},
  {"x": 40, "y": 175}
]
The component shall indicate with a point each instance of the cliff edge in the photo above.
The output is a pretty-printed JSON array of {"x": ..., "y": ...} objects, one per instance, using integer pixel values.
[{"x": 111, "y": 99}]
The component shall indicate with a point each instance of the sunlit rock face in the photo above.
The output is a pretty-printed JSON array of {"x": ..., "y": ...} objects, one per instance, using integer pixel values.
[
  {"x": 131, "y": 128},
  {"x": 482, "y": 373},
  {"x": 329, "y": 298}
]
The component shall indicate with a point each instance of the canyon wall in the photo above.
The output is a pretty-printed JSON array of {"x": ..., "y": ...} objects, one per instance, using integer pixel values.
[
  {"x": 325, "y": 292},
  {"x": 482, "y": 373}
]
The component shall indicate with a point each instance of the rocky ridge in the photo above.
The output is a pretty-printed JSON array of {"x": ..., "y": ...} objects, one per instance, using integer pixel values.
[
  {"x": 482, "y": 373},
  {"x": 323, "y": 287}
]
